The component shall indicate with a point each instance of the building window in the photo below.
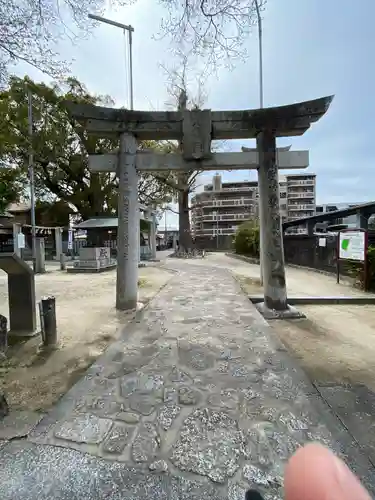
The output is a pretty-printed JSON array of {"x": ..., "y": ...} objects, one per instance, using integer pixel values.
[{"x": 283, "y": 194}]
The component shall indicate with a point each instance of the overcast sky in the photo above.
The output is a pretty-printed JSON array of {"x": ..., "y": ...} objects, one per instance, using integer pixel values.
[{"x": 312, "y": 48}]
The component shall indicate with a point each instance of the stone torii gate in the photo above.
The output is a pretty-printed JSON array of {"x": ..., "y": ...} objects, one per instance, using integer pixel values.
[{"x": 195, "y": 130}]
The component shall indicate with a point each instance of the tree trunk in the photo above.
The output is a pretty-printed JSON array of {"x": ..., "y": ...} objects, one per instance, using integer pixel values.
[{"x": 185, "y": 240}]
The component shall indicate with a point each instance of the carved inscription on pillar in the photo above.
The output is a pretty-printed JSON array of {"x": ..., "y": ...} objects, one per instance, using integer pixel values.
[
  {"x": 196, "y": 134},
  {"x": 128, "y": 224},
  {"x": 273, "y": 263}
]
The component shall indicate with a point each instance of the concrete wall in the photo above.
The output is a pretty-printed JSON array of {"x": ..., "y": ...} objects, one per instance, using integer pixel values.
[{"x": 225, "y": 242}]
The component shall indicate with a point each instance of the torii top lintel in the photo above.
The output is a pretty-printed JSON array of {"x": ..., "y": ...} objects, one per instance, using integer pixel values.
[{"x": 286, "y": 121}]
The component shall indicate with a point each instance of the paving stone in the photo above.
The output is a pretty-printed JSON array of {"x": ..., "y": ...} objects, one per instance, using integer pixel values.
[
  {"x": 294, "y": 423},
  {"x": 196, "y": 357},
  {"x": 87, "y": 428},
  {"x": 142, "y": 383},
  {"x": 128, "y": 417},
  {"x": 177, "y": 375},
  {"x": 159, "y": 466},
  {"x": 225, "y": 400},
  {"x": 258, "y": 449},
  {"x": 142, "y": 403},
  {"x": 236, "y": 492},
  {"x": 117, "y": 439},
  {"x": 256, "y": 476},
  {"x": 102, "y": 406},
  {"x": 167, "y": 414},
  {"x": 18, "y": 424},
  {"x": 188, "y": 396},
  {"x": 283, "y": 444},
  {"x": 209, "y": 444},
  {"x": 146, "y": 443},
  {"x": 170, "y": 395},
  {"x": 223, "y": 367}
]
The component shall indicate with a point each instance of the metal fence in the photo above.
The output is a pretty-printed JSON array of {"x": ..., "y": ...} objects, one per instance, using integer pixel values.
[{"x": 304, "y": 250}]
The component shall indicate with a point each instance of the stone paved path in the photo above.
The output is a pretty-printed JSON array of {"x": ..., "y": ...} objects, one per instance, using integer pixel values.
[{"x": 197, "y": 400}]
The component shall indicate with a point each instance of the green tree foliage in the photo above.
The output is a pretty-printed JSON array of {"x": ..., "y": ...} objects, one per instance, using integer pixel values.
[
  {"x": 11, "y": 186},
  {"x": 61, "y": 148},
  {"x": 247, "y": 239}
]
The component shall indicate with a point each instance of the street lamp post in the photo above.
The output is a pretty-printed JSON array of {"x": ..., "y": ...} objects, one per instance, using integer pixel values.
[
  {"x": 260, "y": 42},
  {"x": 130, "y": 30}
]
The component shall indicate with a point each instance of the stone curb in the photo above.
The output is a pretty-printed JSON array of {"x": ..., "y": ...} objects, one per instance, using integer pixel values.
[{"x": 253, "y": 260}]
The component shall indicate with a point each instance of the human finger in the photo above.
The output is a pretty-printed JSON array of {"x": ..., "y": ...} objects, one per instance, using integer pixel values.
[{"x": 315, "y": 473}]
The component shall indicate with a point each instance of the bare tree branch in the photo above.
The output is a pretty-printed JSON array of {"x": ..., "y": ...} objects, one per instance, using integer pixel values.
[
  {"x": 213, "y": 29},
  {"x": 30, "y": 30}
]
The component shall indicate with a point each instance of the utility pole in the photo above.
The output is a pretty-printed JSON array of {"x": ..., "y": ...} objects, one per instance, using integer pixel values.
[
  {"x": 31, "y": 176},
  {"x": 260, "y": 42},
  {"x": 125, "y": 28}
]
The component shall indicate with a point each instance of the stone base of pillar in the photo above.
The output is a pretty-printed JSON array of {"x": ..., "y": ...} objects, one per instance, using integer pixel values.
[{"x": 289, "y": 313}]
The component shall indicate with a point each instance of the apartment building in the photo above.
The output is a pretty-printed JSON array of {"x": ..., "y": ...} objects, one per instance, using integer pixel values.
[{"x": 222, "y": 207}]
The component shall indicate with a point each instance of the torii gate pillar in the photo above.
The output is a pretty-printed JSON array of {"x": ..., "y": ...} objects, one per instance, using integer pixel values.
[
  {"x": 128, "y": 226},
  {"x": 272, "y": 258}
]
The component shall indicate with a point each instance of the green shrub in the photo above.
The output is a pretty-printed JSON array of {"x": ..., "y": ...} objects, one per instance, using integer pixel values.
[
  {"x": 246, "y": 241},
  {"x": 371, "y": 267},
  {"x": 356, "y": 270}
]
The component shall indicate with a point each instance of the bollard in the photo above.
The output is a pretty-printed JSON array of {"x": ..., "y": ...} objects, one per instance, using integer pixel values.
[
  {"x": 4, "y": 408},
  {"x": 62, "y": 262},
  {"x": 3, "y": 334},
  {"x": 47, "y": 309}
]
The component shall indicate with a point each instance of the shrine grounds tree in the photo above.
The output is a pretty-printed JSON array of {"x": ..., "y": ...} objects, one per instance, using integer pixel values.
[
  {"x": 30, "y": 30},
  {"x": 61, "y": 148},
  {"x": 181, "y": 78},
  {"x": 12, "y": 186}
]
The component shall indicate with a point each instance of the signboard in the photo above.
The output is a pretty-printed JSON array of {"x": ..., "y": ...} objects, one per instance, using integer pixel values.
[
  {"x": 21, "y": 240},
  {"x": 352, "y": 245},
  {"x": 322, "y": 242},
  {"x": 70, "y": 239}
]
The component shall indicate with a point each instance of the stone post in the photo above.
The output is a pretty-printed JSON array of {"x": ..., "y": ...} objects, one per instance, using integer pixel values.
[
  {"x": 361, "y": 220},
  {"x": 62, "y": 262},
  {"x": 153, "y": 236},
  {"x": 138, "y": 222},
  {"x": 310, "y": 226},
  {"x": 58, "y": 242},
  {"x": 3, "y": 334},
  {"x": 47, "y": 307},
  {"x": 128, "y": 226},
  {"x": 272, "y": 241},
  {"x": 40, "y": 265},
  {"x": 16, "y": 231}
]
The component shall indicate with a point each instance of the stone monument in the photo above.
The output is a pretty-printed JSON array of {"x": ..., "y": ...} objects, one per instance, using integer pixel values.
[
  {"x": 21, "y": 295},
  {"x": 93, "y": 260},
  {"x": 195, "y": 130}
]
